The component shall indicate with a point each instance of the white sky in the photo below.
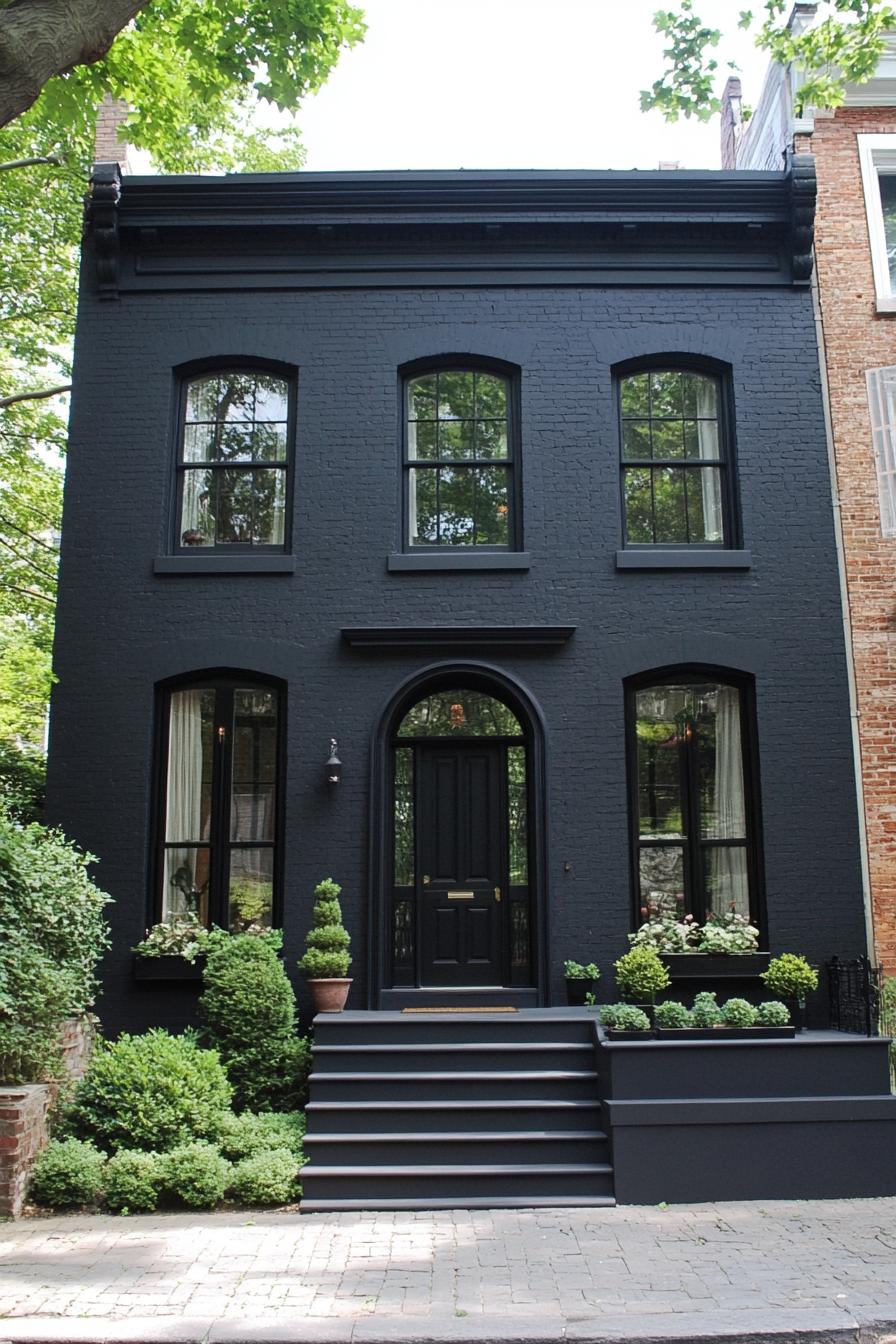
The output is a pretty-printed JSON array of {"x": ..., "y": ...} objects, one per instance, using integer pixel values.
[{"x": 512, "y": 84}]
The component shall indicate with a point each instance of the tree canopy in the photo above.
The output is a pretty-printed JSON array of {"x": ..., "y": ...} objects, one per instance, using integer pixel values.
[{"x": 841, "y": 46}]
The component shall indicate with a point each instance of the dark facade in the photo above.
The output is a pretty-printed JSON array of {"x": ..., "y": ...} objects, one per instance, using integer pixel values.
[{"x": 563, "y": 286}]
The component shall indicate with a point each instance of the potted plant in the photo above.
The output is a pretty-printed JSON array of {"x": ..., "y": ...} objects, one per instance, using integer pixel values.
[
  {"x": 625, "y": 1022},
  {"x": 726, "y": 945},
  {"x": 580, "y": 982},
  {"x": 172, "y": 950},
  {"x": 640, "y": 975},
  {"x": 326, "y": 959},
  {"x": 671, "y": 1018},
  {"x": 791, "y": 978}
]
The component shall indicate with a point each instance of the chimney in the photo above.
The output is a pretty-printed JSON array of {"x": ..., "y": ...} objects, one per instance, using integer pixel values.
[
  {"x": 108, "y": 145},
  {"x": 732, "y": 120}
]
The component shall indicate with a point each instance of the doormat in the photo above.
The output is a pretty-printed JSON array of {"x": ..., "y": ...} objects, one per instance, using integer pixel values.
[{"x": 459, "y": 1010}]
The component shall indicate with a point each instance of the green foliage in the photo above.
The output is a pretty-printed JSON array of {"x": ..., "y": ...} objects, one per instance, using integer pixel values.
[
  {"x": 842, "y": 47},
  {"x": 182, "y": 936},
  {"x": 672, "y": 1015},
  {"x": 270, "y": 1177},
  {"x": 52, "y": 932},
  {"x": 629, "y": 1018},
  {"x": 327, "y": 941},
  {"x": 248, "y": 1010},
  {"x": 574, "y": 970},
  {"x": 195, "y": 1174},
  {"x": 151, "y": 1092},
  {"x": 132, "y": 1180},
  {"x": 772, "y": 1013},
  {"x": 887, "y": 1024},
  {"x": 640, "y": 974},
  {"x": 23, "y": 778},
  {"x": 66, "y": 1174},
  {"x": 247, "y": 1135},
  {"x": 738, "y": 1013},
  {"x": 790, "y": 977},
  {"x": 706, "y": 1011}
]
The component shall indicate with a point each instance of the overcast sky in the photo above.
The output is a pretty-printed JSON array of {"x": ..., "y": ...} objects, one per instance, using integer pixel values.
[{"x": 511, "y": 84}]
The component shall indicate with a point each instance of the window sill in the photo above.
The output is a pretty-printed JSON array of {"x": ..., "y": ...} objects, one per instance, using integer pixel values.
[
  {"x": 696, "y": 559},
  {"x": 409, "y": 563},
  {"x": 224, "y": 564}
]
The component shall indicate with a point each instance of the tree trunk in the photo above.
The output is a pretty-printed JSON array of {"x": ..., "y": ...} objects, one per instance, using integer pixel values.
[{"x": 42, "y": 38}]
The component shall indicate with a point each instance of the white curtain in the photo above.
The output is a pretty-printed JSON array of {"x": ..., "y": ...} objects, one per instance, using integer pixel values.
[
  {"x": 728, "y": 876},
  {"x": 708, "y": 446},
  {"x": 184, "y": 819}
]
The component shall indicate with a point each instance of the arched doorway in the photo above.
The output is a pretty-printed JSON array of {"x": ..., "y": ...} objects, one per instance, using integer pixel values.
[{"x": 461, "y": 849}]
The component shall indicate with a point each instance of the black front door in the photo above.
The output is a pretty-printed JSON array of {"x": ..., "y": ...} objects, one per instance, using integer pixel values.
[{"x": 461, "y": 863}]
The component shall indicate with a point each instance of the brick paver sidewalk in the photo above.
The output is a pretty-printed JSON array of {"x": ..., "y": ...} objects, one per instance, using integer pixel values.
[{"x": 689, "y": 1272}]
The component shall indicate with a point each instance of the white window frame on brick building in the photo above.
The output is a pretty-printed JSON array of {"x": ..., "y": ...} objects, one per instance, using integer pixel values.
[
  {"x": 882, "y": 404},
  {"x": 877, "y": 157}
]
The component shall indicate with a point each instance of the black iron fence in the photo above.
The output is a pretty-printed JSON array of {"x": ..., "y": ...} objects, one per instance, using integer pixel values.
[{"x": 855, "y": 995}]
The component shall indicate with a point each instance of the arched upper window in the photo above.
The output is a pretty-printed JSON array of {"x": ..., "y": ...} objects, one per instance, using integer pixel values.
[
  {"x": 676, "y": 458},
  {"x": 692, "y": 808},
  {"x": 218, "y": 844},
  {"x": 233, "y": 461},
  {"x": 460, "y": 459}
]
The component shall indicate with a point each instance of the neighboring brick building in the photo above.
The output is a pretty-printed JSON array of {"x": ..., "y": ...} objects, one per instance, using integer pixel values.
[{"x": 855, "y": 154}]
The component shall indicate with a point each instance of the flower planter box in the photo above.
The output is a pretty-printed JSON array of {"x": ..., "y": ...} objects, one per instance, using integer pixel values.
[
  {"x": 714, "y": 965},
  {"x": 617, "y": 1035},
  {"x": 577, "y": 990},
  {"x": 724, "y": 1033},
  {"x": 168, "y": 968}
]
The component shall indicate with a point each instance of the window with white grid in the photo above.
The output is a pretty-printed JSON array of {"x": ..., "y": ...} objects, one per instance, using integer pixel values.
[{"x": 882, "y": 403}]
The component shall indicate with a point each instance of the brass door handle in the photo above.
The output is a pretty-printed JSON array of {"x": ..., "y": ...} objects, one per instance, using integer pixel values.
[
  {"x": 498, "y": 894},
  {"x": 426, "y": 879}
]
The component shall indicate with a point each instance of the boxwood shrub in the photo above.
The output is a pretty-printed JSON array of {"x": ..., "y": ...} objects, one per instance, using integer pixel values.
[
  {"x": 247, "y": 1134},
  {"x": 195, "y": 1174},
  {"x": 67, "y": 1173},
  {"x": 270, "y": 1177},
  {"x": 132, "y": 1180}
]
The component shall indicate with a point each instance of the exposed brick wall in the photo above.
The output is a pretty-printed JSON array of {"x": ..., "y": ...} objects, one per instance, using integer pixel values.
[
  {"x": 108, "y": 146},
  {"x": 23, "y": 1117},
  {"x": 858, "y": 338}
]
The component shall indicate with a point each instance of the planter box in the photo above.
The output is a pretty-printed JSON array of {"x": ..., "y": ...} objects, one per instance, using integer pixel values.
[
  {"x": 713, "y": 965},
  {"x": 725, "y": 1033},
  {"x": 577, "y": 990},
  {"x": 168, "y": 968},
  {"x": 617, "y": 1035}
]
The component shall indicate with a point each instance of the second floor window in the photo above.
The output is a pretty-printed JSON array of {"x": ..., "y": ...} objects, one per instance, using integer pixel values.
[
  {"x": 675, "y": 486},
  {"x": 459, "y": 460},
  {"x": 233, "y": 462}
]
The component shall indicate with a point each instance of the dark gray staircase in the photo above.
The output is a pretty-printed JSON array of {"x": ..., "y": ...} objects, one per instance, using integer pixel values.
[{"x": 455, "y": 1110}]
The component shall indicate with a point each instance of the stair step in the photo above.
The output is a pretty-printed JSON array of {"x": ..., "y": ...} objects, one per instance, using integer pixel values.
[
  {"x": 431, "y": 1028},
  {"x": 458, "y": 1180},
  {"x": 520, "y": 1085},
  {"x": 442, "y": 1056},
  {"x": 366, "y": 1117},
  {"x": 372, "y": 1149},
  {"x": 459, "y": 1202}
]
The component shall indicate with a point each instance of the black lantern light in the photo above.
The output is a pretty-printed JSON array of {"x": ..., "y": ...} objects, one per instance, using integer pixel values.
[{"x": 334, "y": 765}]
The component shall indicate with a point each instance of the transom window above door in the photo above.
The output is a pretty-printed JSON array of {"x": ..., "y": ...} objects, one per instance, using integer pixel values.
[
  {"x": 233, "y": 463},
  {"x": 460, "y": 460},
  {"x": 675, "y": 459}
]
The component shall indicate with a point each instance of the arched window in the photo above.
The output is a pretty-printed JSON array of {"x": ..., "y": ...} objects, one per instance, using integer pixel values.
[
  {"x": 692, "y": 808},
  {"x": 676, "y": 458},
  {"x": 218, "y": 822},
  {"x": 460, "y": 459},
  {"x": 233, "y": 461}
]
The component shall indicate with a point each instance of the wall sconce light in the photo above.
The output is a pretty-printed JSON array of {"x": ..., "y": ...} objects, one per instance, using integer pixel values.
[{"x": 334, "y": 765}]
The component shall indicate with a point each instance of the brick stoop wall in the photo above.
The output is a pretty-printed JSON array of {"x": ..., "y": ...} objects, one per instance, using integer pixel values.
[{"x": 24, "y": 1110}]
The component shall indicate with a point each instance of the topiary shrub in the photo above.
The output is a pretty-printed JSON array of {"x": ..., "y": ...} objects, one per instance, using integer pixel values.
[
  {"x": 247, "y": 1134},
  {"x": 327, "y": 942},
  {"x": 248, "y": 1011},
  {"x": 195, "y": 1174},
  {"x": 151, "y": 1092},
  {"x": 772, "y": 1013},
  {"x": 706, "y": 1011},
  {"x": 738, "y": 1013},
  {"x": 672, "y": 1015},
  {"x": 132, "y": 1180},
  {"x": 270, "y": 1177},
  {"x": 791, "y": 977},
  {"x": 640, "y": 974},
  {"x": 67, "y": 1173}
]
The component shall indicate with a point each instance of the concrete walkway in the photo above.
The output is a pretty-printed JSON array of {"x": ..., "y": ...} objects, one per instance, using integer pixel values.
[{"x": 820, "y": 1271}]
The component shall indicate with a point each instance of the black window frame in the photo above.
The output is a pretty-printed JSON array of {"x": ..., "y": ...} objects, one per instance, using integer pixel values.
[
  {"x": 726, "y": 461},
  {"x": 464, "y": 363},
  {"x": 693, "y": 844},
  {"x": 186, "y": 376},
  {"x": 223, "y": 682}
]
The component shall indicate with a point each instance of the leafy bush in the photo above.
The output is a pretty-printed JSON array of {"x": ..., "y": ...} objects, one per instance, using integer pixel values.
[
  {"x": 67, "y": 1173},
  {"x": 248, "y": 1010},
  {"x": 641, "y": 975},
  {"x": 738, "y": 1013},
  {"x": 608, "y": 1014},
  {"x": 665, "y": 933},
  {"x": 52, "y": 933},
  {"x": 151, "y": 1092},
  {"x": 773, "y": 1014},
  {"x": 706, "y": 1011},
  {"x": 270, "y": 1177},
  {"x": 672, "y": 1015},
  {"x": 630, "y": 1018},
  {"x": 791, "y": 977},
  {"x": 132, "y": 1181},
  {"x": 727, "y": 934},
  {"x": 574, "y": 970},
  {"x": 196, "y": 1174},
  {"x": 23, "y": 782},
  {"x": 327, "y": 941},
  {"x": 182, "y": 936},
  {"x": 247, "y": 1135}
]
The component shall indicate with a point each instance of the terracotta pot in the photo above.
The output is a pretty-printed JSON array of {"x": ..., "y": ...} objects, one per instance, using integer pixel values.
[{"x": 329, "y": 996}]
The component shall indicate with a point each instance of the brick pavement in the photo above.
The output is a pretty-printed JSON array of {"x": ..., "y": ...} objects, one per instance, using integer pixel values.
[{"x": 822, "y": 1269}]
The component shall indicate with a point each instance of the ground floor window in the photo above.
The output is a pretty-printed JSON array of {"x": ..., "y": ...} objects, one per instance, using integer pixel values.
[
  {"x": 218, "y": 852},
  {"x": 691, "y": 803}
]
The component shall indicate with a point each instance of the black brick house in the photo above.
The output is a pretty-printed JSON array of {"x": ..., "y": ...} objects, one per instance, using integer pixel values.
[{"x": 514, "y": 484}]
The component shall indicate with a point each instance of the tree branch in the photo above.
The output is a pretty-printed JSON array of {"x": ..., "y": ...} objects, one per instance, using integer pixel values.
[
  {"x": 42, "y": 38},
  {"x": 45, "y": 574},
  {"x": 30, "y": 163},
  {"x": 16, "y": 397},
  {"x": 27, "y": 592},
  {"x": 29, "y": 536}
]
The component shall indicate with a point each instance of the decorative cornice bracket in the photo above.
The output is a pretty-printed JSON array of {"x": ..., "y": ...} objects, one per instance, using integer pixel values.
[
  {"x": 101, "y": 219},
  {"x": 803, "y": 192}
]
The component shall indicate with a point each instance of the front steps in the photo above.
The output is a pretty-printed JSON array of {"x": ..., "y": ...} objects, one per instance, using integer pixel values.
[{"x": 454, "y": 1110}]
